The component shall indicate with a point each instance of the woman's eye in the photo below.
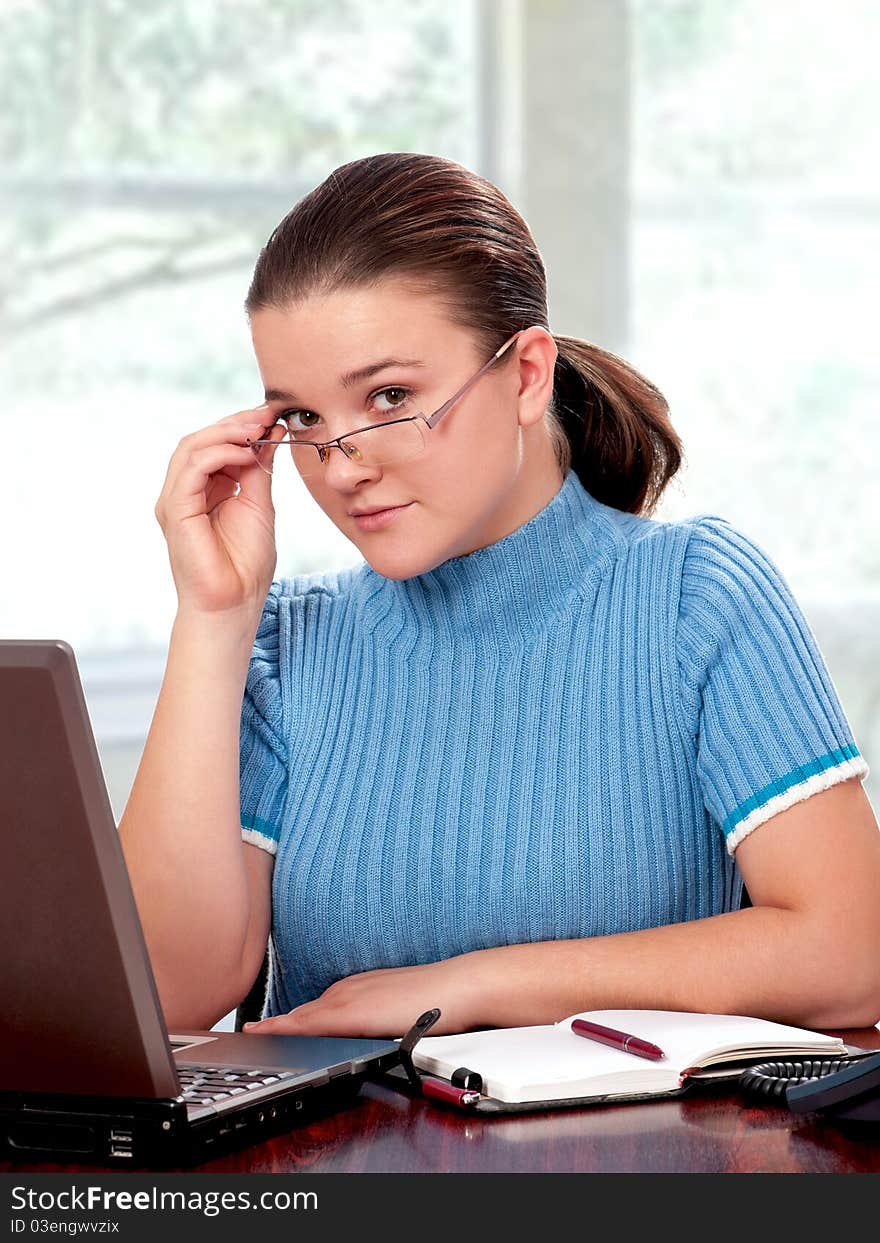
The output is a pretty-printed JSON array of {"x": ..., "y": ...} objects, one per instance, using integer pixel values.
[
  {"x": 298, "y": 420},
  {"x": 395, "y": 396}
]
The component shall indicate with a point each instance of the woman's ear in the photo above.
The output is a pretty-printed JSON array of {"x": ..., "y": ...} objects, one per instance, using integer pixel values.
[{"x": 536, "y": 352}]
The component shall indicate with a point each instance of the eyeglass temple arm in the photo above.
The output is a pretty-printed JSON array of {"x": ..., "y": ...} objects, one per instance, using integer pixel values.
[{"x": 438, "y": 414}]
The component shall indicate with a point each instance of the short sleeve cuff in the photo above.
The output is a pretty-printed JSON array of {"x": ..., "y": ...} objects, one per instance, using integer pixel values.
[
  {"x": 820, "y": 774},
  {"x": 266, "y": 837}
]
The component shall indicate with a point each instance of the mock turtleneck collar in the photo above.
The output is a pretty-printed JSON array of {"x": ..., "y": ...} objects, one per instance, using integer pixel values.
[{"x": 502, "y": 594}]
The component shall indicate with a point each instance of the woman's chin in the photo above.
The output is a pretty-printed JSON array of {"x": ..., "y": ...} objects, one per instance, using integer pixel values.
[
  {"x": 396, "y": 559},
  {"x": 395, "y": 566}
]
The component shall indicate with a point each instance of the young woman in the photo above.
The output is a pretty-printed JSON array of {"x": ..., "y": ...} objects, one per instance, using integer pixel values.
[{"x": 519, "y": 761}]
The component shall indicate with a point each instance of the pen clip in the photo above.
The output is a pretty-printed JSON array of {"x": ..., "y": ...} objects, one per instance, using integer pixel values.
[{"x": 422, "y": 1024}]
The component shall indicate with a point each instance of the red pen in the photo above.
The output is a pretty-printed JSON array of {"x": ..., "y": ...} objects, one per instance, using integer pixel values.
[
  {"x": 618, "y": 1040},
  {"x": 439, "y": 1090}
]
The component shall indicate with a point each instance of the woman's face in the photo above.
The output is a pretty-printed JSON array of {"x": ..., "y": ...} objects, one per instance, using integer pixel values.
[{"x": 486, "y": 467}]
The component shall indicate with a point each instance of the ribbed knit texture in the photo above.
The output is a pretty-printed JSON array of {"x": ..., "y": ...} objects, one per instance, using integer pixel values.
[{"x": 564, "y": 734}]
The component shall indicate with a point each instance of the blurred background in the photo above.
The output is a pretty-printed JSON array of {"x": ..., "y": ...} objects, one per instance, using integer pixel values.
[{"x": 702, "y": 179}]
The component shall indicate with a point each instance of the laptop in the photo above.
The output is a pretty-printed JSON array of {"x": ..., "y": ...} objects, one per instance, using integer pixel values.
[{"x": 88, "y": 1069}]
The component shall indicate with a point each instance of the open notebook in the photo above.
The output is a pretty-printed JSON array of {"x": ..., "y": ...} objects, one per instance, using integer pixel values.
[{"x": 552, "y": 1065}]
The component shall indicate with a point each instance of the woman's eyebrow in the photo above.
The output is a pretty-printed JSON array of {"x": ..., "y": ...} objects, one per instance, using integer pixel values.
[{"x": 350, "y": 378}]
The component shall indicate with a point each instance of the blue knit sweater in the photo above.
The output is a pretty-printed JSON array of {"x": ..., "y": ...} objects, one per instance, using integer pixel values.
[{"x": 564, "y": 734}]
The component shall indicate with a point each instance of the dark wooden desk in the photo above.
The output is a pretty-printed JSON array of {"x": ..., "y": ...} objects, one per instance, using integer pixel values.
[{"x": 713, "y": 1131}]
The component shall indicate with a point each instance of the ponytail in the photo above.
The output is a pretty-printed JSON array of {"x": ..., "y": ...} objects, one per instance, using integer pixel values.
[{"x": 620, "y": 441}]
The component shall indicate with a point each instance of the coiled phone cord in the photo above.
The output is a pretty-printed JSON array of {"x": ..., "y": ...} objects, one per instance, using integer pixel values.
[{"x": 771, "y": 1079}]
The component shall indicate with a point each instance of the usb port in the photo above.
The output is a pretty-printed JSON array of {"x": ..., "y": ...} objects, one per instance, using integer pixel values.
[
  {"x": 119, "y": 1152},
  {"x": 124, "y": 1137}
]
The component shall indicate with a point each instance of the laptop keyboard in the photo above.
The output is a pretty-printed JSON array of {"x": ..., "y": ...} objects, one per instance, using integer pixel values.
[{"x": 205, "y": 1084}]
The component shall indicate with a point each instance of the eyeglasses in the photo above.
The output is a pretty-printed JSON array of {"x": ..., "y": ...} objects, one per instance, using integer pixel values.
[{"x": 384, "y": 444}]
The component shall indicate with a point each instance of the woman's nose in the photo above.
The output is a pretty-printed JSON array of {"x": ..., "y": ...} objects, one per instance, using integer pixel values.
[{"x": 341, "y": 471}]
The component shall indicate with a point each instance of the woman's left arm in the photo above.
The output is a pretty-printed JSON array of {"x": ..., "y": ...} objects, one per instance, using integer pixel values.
[{"x": 807, "y": 952}]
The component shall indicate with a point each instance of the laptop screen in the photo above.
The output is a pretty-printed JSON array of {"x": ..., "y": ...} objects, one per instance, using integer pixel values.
[{"x": 75, "y": 973}]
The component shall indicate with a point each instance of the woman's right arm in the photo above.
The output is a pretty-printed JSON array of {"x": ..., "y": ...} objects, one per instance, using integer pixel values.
[{"x": 203, "y": 895}]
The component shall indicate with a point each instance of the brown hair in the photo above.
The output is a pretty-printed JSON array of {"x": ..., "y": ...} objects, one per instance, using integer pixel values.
[{"x": 452, "y": 233}]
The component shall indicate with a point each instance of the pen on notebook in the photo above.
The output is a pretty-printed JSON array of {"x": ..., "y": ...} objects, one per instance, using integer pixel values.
[
  {"x": 618, "y": 1040},
  {"x": 440, "y": 1090}
]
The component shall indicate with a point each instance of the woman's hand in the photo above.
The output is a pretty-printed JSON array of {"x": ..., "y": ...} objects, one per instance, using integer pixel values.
[
  {"x": 386, "y": 1003},
  {"x": 217, "y": 516}
]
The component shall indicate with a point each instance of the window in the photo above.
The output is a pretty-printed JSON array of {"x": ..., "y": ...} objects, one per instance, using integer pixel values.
[{"x": 755, "y": 255}]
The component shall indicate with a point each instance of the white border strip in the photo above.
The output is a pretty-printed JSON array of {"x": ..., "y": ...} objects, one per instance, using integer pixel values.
[
  {"x": 855, "y": 767},
  {"x": 259, "y": 839}
]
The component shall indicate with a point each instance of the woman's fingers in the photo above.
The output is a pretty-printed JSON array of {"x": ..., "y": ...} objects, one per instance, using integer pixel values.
[
  {"x": 216, "y": 511},
  {"x": 207, "y": 451}
]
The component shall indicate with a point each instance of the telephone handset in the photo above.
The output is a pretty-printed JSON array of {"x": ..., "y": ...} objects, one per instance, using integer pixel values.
[{"x": 839, "y": 1088}]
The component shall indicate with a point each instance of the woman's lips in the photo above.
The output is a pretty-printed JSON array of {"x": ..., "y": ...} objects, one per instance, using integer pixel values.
[{"x": 382, "y": 518}]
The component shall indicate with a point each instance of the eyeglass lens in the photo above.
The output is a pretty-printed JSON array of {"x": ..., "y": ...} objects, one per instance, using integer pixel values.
[{"x": 382, "y": 445}]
